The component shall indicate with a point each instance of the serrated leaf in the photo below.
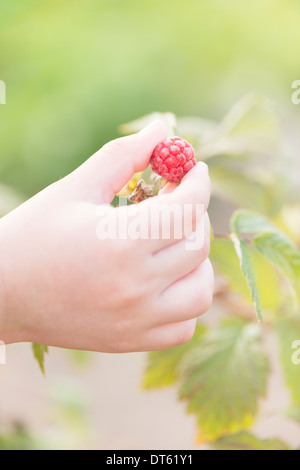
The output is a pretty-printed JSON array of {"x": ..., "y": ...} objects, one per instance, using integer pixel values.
[
  {"x": 235, "y": 186},
  {"x": 279, "y": 250},
  {"x": 39, "y": 352},
  {"x": 250, "y": 127},
  {"x": 224, "y": 378},
  {"x": 162, "y": 367},
  {"x": 288, "y": 331},
  {"x": 271, "y": 242},
  {"x": 197, "y": 131},
  {"x": 253, "y": 115},
  {"x": 245, "y": 255},
  {"x": 247, "y": 441},
  {"x": 226, "y": 262},
  {"x": 249, "y": 222}
]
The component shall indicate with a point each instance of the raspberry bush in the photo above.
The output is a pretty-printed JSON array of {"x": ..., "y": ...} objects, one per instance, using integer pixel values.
[{"x": 223, "y": 373}]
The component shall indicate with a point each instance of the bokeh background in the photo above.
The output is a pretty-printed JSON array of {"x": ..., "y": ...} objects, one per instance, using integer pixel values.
[{"x": 75, "y": 71}]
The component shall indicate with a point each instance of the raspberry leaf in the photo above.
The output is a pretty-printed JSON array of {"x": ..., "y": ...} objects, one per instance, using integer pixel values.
[
  {"x": 271, "y": 242},
  {"x": 169, "y": 119},
  {"x": 283, "y": 254},
  {"x": 224, "y": 377},
  {"x": 247, "y": 264},
  {"x": 39, "y": 352},
  {"x": 226, "y": 263},
  {"x": 247, "y": 441},
  {"x": 249, "y": 222}
]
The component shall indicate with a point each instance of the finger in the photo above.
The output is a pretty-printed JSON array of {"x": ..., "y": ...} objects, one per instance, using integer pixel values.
[
  {"x": 168, "y": 336},
  {"x": 174, "y": 216},
  {"x": 168, "y": 188},
  {"x": 187, "y": 298},
  {"x": 179, "y": 259},
  {"x": 108, "y": 170}
]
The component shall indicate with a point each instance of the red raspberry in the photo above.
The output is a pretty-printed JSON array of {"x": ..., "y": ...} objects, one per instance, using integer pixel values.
[{"x": 173, "y": 159}]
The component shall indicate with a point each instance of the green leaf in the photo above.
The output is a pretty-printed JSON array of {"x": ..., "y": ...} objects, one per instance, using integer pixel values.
[
  {"x": 271, "y": 242},
  {"x": 224, "y": 377},
  {"x": 236, "y": 186},
  {"x": 277, "y": 248},
  {"x": 226, "y": 262},
  {"x": 288, "y": 332},
  {"x": 246, "y": 441},
  {"x": 250, "y": 127},
  {"x": 245, "y": 255},
  {"x": 18, "y": 439},
  {"x": 39, "y": 352},
  {"x": 162, "y": 368},
  {"x": 249, "y": 222},
  {"x": 255, "y": 116}
]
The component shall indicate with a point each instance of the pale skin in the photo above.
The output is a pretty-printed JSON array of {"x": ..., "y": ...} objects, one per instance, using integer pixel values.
[{"x": 62, "y": 286}]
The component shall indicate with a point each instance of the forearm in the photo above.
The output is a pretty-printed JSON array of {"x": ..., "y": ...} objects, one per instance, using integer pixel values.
[{"x": 10, "y": 282}]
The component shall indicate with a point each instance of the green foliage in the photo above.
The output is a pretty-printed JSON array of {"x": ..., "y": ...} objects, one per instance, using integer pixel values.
[
  {"x": 246, "y": 441},
  {"x": 222, "y": 374},
  {"x": 247, "y": 266},
  {"x": 282, "y": 253},
  {"x": 248, "y": 222},
  {"x": 18, "y": 439},
  {"x": 39, "y": 352},
  {"x": 227, "y": 263},
  {"x": 272, "y": 243},
  {"x": 230, "y": 354}
]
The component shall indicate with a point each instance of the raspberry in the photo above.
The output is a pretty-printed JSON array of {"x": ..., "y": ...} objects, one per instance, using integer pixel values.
[{"x": 172, "y": 159}]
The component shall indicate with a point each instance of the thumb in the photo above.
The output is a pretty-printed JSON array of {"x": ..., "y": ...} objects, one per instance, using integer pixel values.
[{"x": 109, "y": 169}]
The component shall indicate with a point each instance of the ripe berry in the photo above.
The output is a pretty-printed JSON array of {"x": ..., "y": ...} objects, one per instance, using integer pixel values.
[{"x": 172, "y": 159}]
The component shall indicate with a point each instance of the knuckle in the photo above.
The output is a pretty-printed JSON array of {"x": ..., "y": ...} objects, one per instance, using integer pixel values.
[{"x": 133, "y": 293}]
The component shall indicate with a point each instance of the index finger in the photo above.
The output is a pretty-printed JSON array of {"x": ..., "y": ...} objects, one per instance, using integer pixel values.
[{"x": 187, "y": 204}]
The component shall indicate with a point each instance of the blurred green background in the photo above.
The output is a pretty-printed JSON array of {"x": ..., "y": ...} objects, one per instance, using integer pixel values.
[{"x": 76, "y": 70}]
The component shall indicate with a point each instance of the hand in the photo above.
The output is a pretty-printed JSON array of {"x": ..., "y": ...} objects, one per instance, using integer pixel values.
[{"x": 63, "y": 286}]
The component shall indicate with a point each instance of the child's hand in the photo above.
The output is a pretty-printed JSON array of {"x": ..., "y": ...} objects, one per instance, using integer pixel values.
[{"x": 63, "y": 286}]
